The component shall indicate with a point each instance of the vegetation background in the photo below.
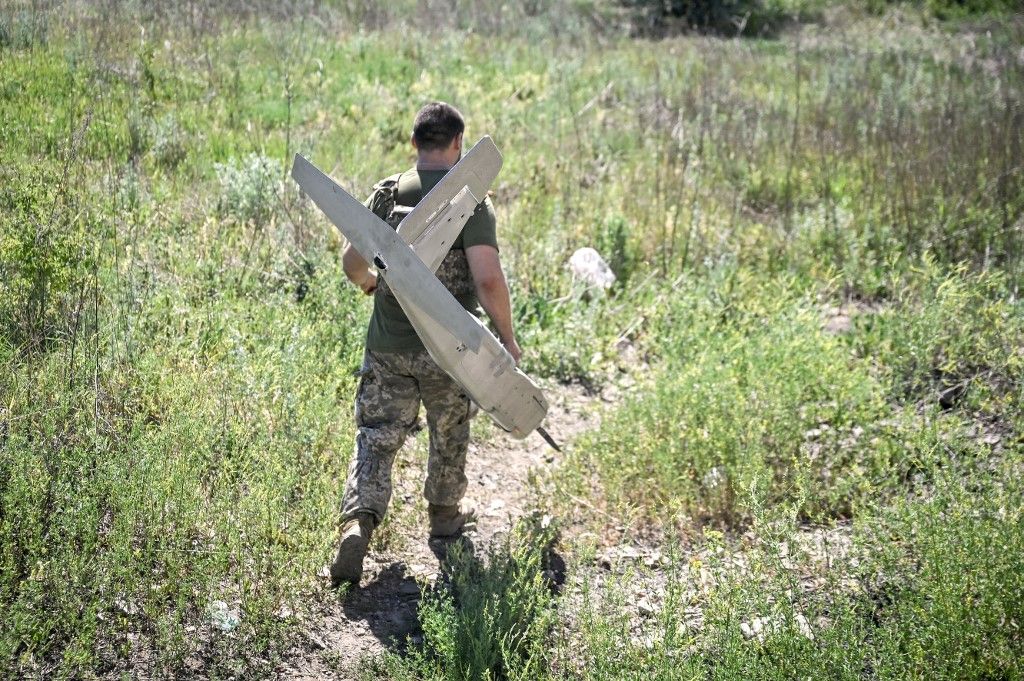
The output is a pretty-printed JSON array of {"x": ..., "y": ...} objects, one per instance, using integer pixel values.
[{"x": 814, "y": 211}]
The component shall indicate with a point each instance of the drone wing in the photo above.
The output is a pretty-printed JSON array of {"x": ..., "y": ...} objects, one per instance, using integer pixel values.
[
  {"x": 430, "y": 228},
  {"x": 457, "y": 341}
]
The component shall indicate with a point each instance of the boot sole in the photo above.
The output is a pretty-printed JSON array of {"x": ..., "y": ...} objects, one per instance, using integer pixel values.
[
  {"x": 348, "y": 565},
  {"x": 452, "y": 528}
]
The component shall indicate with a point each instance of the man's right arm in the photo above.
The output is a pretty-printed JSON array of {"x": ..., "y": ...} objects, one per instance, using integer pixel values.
[
  {"x": 492, "y": 291},
  {"x": 358, "y": 270}
]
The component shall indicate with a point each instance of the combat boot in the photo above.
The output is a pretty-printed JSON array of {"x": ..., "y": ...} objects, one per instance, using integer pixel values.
[
  {"x": 446, "y": 521},
  {"x": 355, "y": 540}
]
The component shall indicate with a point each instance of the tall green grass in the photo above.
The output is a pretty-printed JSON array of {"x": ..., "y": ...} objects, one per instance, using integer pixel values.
[
  {"x": 756, "y": 399},
  {"x": 925, "y": 585},
  {"x": 176, "y": 334}
]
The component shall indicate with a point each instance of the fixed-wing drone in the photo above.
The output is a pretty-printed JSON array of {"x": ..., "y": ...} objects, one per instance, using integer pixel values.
[{"x": 408, "y": 257}]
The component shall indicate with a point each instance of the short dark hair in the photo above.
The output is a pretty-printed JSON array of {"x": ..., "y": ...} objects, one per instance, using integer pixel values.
[{"x": 436, "y": 125}]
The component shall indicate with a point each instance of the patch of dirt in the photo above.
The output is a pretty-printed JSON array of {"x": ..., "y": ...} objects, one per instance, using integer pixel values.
[{"x": 344, "y": 629}]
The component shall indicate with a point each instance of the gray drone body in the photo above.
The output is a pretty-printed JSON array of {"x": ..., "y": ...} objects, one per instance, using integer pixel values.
[{"x": 407, "y": 259}]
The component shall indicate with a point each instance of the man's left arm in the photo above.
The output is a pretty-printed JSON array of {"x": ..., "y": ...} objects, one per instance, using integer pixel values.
[
  {"x": 358, "y": 270},
  {"x": 492, "y": 291}
]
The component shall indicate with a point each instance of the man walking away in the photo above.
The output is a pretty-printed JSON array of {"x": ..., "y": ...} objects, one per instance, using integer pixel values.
[{"x": 398, "y": 373}]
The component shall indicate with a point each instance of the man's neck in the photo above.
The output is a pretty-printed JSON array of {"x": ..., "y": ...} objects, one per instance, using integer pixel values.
[
  {"x": 439, "y": 164},
  {"x": 437, "y": 160}
]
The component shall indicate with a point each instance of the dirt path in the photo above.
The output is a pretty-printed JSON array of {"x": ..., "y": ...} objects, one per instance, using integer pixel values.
[{"x": 381, "y": 614}]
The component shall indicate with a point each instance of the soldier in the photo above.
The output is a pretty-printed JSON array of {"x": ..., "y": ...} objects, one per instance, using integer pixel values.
[{"x": 398, "y": 373}]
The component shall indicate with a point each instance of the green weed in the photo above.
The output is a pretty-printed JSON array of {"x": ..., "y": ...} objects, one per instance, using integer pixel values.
[{"x": 490, "y": 618}]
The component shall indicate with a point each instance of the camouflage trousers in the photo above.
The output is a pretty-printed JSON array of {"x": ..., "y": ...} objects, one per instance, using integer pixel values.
[{"x": 391, "y": 387}]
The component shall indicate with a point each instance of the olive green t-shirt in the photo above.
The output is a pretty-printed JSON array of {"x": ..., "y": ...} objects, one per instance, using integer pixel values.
[{"x": 390, "y": 330}]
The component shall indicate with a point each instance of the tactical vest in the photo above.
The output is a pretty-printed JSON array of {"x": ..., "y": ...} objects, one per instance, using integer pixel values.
[{"x": 453, "y": 271}]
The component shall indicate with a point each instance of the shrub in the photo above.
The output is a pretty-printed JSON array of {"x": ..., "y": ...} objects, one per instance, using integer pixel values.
[
  {"x": 42, "y": 256},
  {"x": 492, "y": 618},
  {"x": 755, "y": 399},
  {"x": 954, "y": 334},
  {"x": 752, "y": 393},
  {"x": 929, "y": 588},
  {"x": 22, "y": 29},
  {"x": 169, "y": 142},
  {"x": 949, "y": 9},
  {"x": 731, "y": 17},
  {"x": 250, "y": 188}
]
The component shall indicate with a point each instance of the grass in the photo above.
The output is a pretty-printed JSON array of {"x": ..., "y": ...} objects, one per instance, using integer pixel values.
[
  {"x": 830, "y": 421},
  {"x": 929, "y": 589},
  {"x": 177, "y": 337}
]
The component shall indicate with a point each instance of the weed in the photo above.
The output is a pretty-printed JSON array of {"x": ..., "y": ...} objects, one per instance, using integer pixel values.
[{"x": 491, "y": 616}]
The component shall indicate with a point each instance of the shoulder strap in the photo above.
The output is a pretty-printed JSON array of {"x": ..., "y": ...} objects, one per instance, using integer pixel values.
[
  {"x": 390, "y": 181},
  {"x": 410, "y": 200},
  {"x": 382, "y": 201}
]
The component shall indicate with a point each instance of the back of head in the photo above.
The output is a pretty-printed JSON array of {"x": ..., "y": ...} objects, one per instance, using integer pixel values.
[{"x": 436, "y": 125}]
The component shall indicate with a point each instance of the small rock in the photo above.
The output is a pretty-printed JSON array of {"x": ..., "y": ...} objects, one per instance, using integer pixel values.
[
  {"x": 839, "y": 324},
  {"x": 991, "y": 439},
  {"x": 758, "y": 628},
  {"x": 713, "y": 478},
  {"x": 803, "y": 626},
  {"x": 222, "y": 617},
  {"x": 645, "y": 608},
  {"x": 655, "y": 559},
  {"x": 589, "y": 267},
  {"x": 949, "y": 397},
  {"x": 628, "y": 552},
  {"x": 126, "y": 607}
]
